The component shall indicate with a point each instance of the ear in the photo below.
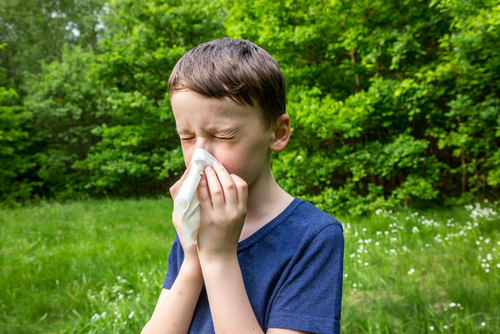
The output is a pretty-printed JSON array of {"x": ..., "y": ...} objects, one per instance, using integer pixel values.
[{"x": 281, "y": 134}]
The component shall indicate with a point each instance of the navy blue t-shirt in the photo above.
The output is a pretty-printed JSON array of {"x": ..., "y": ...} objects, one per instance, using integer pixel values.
[{"x": 292, "y": 270}]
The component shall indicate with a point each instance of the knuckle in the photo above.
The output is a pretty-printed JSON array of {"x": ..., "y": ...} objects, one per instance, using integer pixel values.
[
  {"x": 172, "y": 190},
  {"x": 238, "y": 180},
  {"x": 243, "y": 185},
  {"x": 205, "y": 198},
  {"x": 234, "y": 217},
  {"x": 217, "y": 192}
]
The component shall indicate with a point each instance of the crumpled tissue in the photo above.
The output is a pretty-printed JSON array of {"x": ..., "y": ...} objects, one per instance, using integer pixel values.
[{"x": 187, "y": 202}]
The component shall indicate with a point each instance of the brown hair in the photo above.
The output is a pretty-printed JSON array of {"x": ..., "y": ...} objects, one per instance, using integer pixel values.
[{"x": 233, "y": 68}]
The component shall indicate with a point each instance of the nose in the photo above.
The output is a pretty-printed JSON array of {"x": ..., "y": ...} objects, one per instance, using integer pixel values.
[{"x": 206, "y": 144}]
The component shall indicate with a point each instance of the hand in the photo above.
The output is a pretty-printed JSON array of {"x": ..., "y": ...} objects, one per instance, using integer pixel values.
[
  {"x": 190, "y": 254},
  {"x": 223, "y": 204}
]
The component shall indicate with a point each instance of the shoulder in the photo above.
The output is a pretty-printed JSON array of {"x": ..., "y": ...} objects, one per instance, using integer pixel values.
[
  {"x": 305, "y": 227},
  {"x": 309, "y": 289},
  {"x": 308, "y": 218},
  {"x": 300, "y": 226}
]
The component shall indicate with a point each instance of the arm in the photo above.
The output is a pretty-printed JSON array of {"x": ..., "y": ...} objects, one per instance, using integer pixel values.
[
  {"x": 175, "y": 307},
  {"x": 229, "y": 304},
  {"x": 223, "y": 199},
  {"x": 155, "y": 325},
  {"x": 174, "y": 310}
]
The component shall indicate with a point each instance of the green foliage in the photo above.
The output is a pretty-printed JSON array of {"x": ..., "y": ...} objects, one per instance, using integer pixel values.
[
  {"x": 35, "y": 30},
  {"x": 67, "y": 104},
  {"x": 15, "y": 144},
  {"x": 139, "y": 148},
  {"x": 390, "y": 101}
]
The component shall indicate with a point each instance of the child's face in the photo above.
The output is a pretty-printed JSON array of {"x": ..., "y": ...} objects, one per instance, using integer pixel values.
[{"x": 234, "y": 134}]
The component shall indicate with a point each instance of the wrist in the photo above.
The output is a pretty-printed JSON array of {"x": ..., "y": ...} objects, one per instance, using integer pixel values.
[
  {"x": 191, "y": 270},
  {"x": 217, "y": 259}
]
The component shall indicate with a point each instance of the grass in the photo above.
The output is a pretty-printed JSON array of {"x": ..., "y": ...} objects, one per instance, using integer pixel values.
[
  {"x": 423, "y": 272},
  {"x": 62, "y": 264},
  {"x": 97, "y": 267}
]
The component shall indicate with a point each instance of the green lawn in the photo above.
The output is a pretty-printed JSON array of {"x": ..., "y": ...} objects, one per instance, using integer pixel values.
[{"x": 97, "y": 267}]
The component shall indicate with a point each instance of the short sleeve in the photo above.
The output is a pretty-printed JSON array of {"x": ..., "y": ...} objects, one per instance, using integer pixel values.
[
  {"x": 175, "y": 258},
  {"x": 310, "y": 298}
]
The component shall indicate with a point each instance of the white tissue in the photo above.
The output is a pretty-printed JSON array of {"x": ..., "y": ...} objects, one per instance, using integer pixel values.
[{"x": 187, "y": 202}]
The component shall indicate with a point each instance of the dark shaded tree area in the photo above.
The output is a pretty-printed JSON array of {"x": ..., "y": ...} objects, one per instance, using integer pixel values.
[
  {"x": 36, "y": 30},
  {"x": 390, "y": 101}
]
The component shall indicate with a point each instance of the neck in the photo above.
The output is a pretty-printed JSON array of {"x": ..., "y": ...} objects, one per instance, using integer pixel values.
[{"x": 266, "y": 200}]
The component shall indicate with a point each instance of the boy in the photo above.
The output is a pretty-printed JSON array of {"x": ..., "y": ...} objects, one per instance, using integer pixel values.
[{"x": 264, "y": 262}]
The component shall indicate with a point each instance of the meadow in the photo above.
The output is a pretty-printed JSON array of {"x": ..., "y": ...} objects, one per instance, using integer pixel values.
[{"x": 97, "y": 266}]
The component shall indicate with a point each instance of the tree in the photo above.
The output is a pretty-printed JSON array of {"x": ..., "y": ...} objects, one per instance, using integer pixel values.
[
  {"x": 139, "y": 148},
  {"x": 390, "y": 101},
  {"x": 15, "y": 142},
  {"x": 35, "y": 30},
  {"x": 67, "y": 105}
]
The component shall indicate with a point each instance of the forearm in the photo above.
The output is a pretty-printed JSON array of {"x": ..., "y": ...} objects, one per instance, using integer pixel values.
[
  {"x": 175, "y": 313},
  {"x": 229, "y": 303}
]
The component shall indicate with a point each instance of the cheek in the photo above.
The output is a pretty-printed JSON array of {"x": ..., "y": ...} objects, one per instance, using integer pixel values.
[
  {"x": 231, "y": 163},
  {"x": 187, "y": 154},
  {"x": 241, "y": 165}
]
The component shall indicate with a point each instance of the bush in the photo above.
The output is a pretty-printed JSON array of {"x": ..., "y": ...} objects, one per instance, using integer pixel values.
[
  {"x": 390, "y": 102},
  {"x": 15, "y": 144}
]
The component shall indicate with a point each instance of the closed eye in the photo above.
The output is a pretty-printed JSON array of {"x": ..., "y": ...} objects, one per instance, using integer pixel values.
[{"x": 187, "y": 138}]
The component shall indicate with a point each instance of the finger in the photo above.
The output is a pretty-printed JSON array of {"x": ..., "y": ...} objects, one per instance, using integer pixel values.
[
  {"x": 241, "y": 189},
  {"x": 176, "y": 221},
  {"x": 227, "y": 184},
  {"x": 177, "y": 225},
  {"x": 204, "y": 194},
  {"x": 214, "y": 188},
  {"x": 177, "y": 185}
]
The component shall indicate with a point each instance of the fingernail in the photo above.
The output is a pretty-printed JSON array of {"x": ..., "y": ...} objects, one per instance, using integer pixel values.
[
  {"x": 217, "y": 163},
  {"x": 203, "y": 177},
  {"x": 209, "y": 168}
]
